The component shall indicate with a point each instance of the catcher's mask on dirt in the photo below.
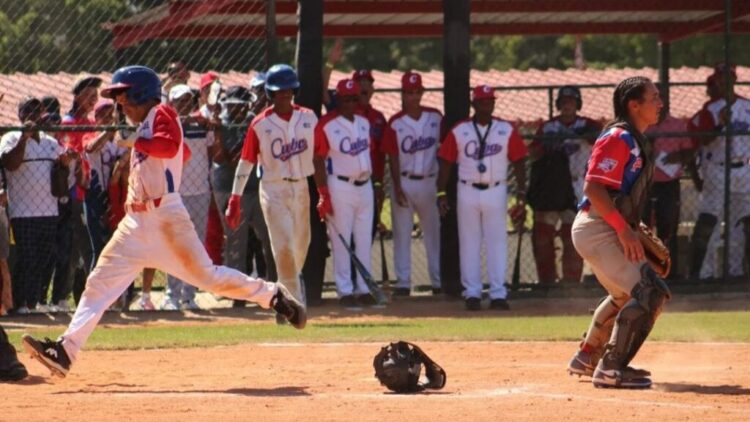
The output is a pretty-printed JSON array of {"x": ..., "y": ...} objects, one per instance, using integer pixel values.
[{"x": 398, "y": 367}]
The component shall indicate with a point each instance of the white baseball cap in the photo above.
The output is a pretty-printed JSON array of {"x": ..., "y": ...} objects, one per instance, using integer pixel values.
[{"x": 178, "y": 91}]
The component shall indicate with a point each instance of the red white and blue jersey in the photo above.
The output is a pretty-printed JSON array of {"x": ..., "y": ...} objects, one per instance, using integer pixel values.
[{"x": 615, "y": 162}]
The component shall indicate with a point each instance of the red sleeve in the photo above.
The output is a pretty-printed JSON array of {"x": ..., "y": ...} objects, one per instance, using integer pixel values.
[
  {"x": 321, "y": 147},
  {"x": 608, "y": 159},
  {"x": 702, "y": 121},
  {"x": 449, "y": 148},
  {"x": 390, "y": 143},
  {"x": 166, "y": 139},
  {"x": 516, "y": 147},
  {"x": 186, "y": 153},
  {"x": 89, "y": 138},
  {"x": 251, "y": 146}
]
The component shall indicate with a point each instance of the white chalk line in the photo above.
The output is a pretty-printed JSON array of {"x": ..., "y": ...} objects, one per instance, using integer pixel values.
[{"x": 470, "y": 342}]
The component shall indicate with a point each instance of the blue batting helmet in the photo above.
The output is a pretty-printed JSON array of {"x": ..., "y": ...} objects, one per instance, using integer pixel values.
[
  {"x": 140, "y": 83},
  {"x": 281, "y": 76}
]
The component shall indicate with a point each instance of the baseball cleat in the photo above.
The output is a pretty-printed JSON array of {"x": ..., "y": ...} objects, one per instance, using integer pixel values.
[
  {"x": 285, "y": 304},
  {"x": 10, "y": 368},
  {"x": 49, "y": 353},
  {"x": 582, "y": 364},
  {"x": 619, "y": 378}
]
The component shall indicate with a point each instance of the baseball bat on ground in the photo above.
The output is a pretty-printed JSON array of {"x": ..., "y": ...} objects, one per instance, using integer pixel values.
[
  {"x": 375, "y": 290},
  {"x": 515, "y": 281},
  {"x": 383, "y": 262}
]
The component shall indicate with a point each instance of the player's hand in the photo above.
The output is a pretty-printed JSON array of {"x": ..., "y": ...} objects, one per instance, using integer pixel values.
[
  {"x": 400, "y": 197},
  {"x": 631, "y": 246},
  {"x": 234, "y": 212},
  {"x": 336, "y": 51},
  {"x": 443, "y": 206},
  {"x": 325, "y": 206}
]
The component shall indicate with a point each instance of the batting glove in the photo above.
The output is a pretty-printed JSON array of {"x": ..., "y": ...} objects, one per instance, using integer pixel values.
[
  {"x": 234, "y": 212},
  {"x": 325, "y": 206}
]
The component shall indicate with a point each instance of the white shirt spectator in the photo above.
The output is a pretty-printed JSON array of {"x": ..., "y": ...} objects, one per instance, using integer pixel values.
[{"x": 29, "y": 188}]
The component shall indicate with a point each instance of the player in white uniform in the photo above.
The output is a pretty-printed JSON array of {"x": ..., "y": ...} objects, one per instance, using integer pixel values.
[
  {"x": 483, "y": 147},
  {"x": 280, "y": 140},
  {"x": 156, "y": 231},
  {"x": 711, "y": 209},
  {"x": 411, "y": 141},
  {"x": 343, "y": 168}
]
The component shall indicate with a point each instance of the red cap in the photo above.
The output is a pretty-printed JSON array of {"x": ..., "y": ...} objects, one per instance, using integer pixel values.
[
  {"x": 362, "y": 74},
  {"x": 482, "y": 92},
  {"x": 719, "y": 69},
  {"x": 411, "y": 80},
  {"x": 347, "y": 88},
  {"x": 208, "y": 78}
]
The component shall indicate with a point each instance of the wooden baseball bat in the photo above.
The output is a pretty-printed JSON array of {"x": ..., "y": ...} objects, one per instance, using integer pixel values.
[
  {"x": 383, "y": 262},
  {"x": 515, "y": 282}
]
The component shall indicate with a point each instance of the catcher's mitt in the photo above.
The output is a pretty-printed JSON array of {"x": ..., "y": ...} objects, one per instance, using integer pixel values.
[
  {"x": 656, "y": 253},
  {"x": 398, "y": 367}
]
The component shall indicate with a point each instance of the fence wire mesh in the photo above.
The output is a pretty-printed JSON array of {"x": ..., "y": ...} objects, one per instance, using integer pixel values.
[{"x": 51, "y": 50}]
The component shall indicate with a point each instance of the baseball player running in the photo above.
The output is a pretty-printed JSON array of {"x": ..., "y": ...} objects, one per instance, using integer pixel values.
[
  {"x": 483, "y": 147},
  {"x": 616, "y": 189},
  {"x": 280, "y": 140},
  {"x": 411, "y": 142},
  {"x": 343, "y": 168},
  {"x": 157, "y": 231}
]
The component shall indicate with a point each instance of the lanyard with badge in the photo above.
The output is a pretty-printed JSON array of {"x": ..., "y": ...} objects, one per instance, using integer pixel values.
[{"x": 481, "y": 167}]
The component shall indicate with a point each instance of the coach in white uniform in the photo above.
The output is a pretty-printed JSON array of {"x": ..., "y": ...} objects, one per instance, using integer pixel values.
[
  {"x": 483, "y": 147},
  {"x": 280, "y": 139},
  {"x": 343, "y": 167},
  {"x": 411, "y": 141}
]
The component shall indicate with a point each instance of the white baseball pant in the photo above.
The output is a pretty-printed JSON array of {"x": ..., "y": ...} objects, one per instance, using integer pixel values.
[
  {"x": 482, "y": 216},
  {"x": 161, "y": 238}
]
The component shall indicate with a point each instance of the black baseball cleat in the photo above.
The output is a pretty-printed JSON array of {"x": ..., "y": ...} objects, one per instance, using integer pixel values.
[
  {"x": 499, "y": 305},
  {"x": 619, "y": 378},
  {"x": 285, "y": 304},
  {"x": 473, "y": 304},
  {"x": 10, "y": 368},
  {"x": 49, "y": 353},
  {"x": 583, "y": 364}
]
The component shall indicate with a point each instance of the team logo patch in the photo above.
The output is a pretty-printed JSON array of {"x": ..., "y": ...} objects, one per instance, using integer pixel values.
[
  {"x": 607, "y": 165},
  {"x": 283, "y": 151},
  {"x": 637, "y": 164},
  {"x": 410, "y": 145},
  {"x": 353, "y": 148},
  {"x": 472, "y": 149}
]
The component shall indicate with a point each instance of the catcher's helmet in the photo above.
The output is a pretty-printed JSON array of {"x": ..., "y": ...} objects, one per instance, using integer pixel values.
[
  {"x": 569, "y": 91},
  {"x": 279, "y": 77},
  {"x": 140, "y": 83}
]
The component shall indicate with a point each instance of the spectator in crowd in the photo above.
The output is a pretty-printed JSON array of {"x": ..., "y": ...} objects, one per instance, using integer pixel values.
[
  {"x": 343, "y": 165},
  {"x": 28, "y": 157},
  {"x": 195, "y": 187},
  {"x": 6, "y": 293},
  {"x": 236, "y": 104},
  {"x": 484, "y": 148},
  {"x": 558, "y": 158},
  {"x": 10, "y": 368},
  {"x": 670, "y": 154},
  {"x": 177, "y": 74},
  {"x": 713, "y": 162},
  {"x": 334, "y": 55},
  {"x": 411, "y": 142},
  {"x": 259, "y": 99},
  {"x": 207, "y": 109}
]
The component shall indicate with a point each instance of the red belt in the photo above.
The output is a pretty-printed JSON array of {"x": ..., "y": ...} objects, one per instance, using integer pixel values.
[{"x": 133, "y": 207}]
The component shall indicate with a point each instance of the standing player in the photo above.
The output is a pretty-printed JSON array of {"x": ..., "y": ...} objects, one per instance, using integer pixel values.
[
  {"x": 411, "y": 142},
  {"x": 558, "y": 163},
  {"x": 157, "y": 231},
  {"x": 280, "y": 141},
  {"x": 483, "y": 147},
  {"x": 343, "y": 169},
  {"x": 617, "y": 183}
]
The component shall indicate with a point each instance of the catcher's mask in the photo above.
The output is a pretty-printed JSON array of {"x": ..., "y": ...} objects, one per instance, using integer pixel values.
[{"x": 398, "y": 367}]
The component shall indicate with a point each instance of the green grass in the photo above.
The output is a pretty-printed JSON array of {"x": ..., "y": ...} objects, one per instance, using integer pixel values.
[{"x": 686, "y": 327}]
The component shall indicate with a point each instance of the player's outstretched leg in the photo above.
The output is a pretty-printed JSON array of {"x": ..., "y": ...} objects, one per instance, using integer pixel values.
[
  {"x": 49, "y": 353},
  {"x": 632, "y": 326}
]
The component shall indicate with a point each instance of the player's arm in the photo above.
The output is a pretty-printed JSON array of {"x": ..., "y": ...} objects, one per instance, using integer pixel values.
[
  {"x": 447, "y": 157},
  {"x": 333, "y": 56},
  {"x": 320, "y": 153},
  {"x": 390, "y": 149},
  {"x": 517, "y": 152},
  {"x": 12, "y": 159},
  {"x": 166, "y": 139},
  {"x": 248, "y": 157}
]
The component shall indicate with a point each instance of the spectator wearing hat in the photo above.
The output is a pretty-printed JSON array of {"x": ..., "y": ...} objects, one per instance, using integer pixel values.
[
  {"x": 238, "y": 250},
  {"x": 257, "y": 89},
  {"x": 28, "y": 157},
  {"x": 207, "y": 110},
  {"x": 177, "y": 74}
]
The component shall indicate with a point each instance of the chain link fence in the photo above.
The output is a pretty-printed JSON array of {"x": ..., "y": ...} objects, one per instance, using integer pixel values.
[{"x": 60, "y": 52}]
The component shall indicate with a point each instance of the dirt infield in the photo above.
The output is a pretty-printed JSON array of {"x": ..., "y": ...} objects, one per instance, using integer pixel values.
[{"x": 334, "y": 382}]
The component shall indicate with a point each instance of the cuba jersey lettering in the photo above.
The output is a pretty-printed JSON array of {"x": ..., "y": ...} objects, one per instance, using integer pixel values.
[
  {"x": 502, "y": 145},
  {"x": 152, "y": 177},
  {"x": 415, "y": 141},
  {"x": 346, "y": 144},
  {"x": 282, "y": 145},
  {"x": 615, "y": 162}
]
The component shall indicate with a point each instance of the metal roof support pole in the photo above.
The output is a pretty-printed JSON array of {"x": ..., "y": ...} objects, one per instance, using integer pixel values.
[
  {"x": 456, "y": 72},
  {"x": 271, "y": 43},
  {"x": 664, "y": 59}
]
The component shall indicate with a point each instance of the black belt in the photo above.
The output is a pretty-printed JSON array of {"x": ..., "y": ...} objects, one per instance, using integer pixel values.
[
  {"x": 415, "y": 176},
  {"x": 480, "y": 186},
  {"x": 734, "y": 165},
  {"x": 289, "y": 179},
  {"x": 353, "y": 181}
]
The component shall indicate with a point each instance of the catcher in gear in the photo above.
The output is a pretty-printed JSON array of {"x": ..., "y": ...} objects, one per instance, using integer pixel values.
[
  {"x": 398, "y": 367},
  {"x": 605, "y": 233}
]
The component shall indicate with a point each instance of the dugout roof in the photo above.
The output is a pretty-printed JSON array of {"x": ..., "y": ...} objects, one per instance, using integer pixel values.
[{"x": 671, "y": 20}]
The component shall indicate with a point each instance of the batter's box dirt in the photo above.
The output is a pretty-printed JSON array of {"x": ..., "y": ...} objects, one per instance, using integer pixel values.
[{"x": 335, "y": 382}]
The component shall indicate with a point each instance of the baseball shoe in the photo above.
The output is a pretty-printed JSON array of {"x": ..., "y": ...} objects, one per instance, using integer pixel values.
[
  {"x": 190, "y": 305},
  {"x": 169, "y": 305},
  {"x": 402, "y": 291},
  {"x": 619, "y": 378},
  {"x": 499, "y": 304},
  {"x": 41, "y": 308},
  {"x": 49, "y": 353},
  {"x": 366, "y": 300},
  {"x": 583, "y": 364},
  {"x": 285, "y": 304},
  {"x": 63, "y": 306},
  {"x": 349, "y": 302},
  {"x": 10, "y": 368},
  {"x": 473, "y": 304},
  {"x": 23, "y": 310}
]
